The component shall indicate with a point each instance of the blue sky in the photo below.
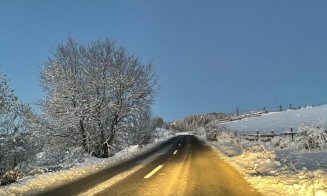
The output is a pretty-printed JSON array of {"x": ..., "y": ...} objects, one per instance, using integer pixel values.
[{"x": 210, "y": 56}]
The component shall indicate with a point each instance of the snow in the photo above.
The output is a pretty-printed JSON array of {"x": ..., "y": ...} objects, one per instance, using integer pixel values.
[
  {"x": 183, "y": 133},
  {"x": 301, "y": 183},
  {"x": 279, "y": 121},
  {"x": 288, "y": 173},
  {"x": 283, "y": 169},
  {"x": 34, "y": 184},
  {"x": 312, "y": 160}
]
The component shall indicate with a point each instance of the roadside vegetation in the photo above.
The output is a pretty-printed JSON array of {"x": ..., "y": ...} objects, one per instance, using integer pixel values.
[{"x": 97, "y": 101}]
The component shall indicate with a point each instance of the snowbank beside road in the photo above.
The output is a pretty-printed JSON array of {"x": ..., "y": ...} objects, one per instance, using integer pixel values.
[
  {"x": 279, "y": 172},
  {"x": 308, "y": 183}
]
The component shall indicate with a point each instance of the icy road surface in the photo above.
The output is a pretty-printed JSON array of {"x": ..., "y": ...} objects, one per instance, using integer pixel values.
[{"x": 186, "y": 167}]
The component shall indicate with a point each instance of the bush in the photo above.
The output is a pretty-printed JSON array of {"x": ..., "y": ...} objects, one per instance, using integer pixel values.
[
  {"x": 220, "y": 132},
  {"x": 282, "y": 141},
  {"x": 228, "y": 142},
  {"x": 9, "y": 177},
  {"x": 259, "y": 159},
  {"x": 312, "y": 137},
  {"x": 36, "y": 171}
]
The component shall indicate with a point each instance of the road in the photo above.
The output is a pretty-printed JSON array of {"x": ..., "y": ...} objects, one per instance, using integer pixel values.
[{"x": 187, "y": 166}]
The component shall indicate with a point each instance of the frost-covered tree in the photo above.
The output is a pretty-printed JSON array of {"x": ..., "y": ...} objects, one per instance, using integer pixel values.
[
  {"x": 191, "y": 123},
  {"x": 143, "y": 128},
  {"x": 94, "y": 92},
  {"x": 9, "y": 108},
  {"x": 63, "y": 106},
  {"x": 14, "y": 146}
]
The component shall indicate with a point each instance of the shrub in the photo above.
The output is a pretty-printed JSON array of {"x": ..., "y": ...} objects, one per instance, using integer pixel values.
[
  {"x": 312, "y": 137},
  {"x": 9, "y": 177}
]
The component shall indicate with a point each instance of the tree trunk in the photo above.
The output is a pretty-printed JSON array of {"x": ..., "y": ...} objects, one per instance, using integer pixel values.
[
  {"x": 84, "y": 138},
  {"x": 105, "y": 150},
  {"x": 111, "y": 137}
]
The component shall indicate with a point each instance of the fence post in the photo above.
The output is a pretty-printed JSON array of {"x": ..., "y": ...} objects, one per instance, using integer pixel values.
[
  {"x": 292, "y": 133},
  {"x": 272, "y": 133},
  {"x": 257, "y": 135}
]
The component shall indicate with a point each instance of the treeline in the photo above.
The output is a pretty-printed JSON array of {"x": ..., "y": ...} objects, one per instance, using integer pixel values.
[
  {"x": 191, "y": 123},
  {"x": 97, "y": 101}
]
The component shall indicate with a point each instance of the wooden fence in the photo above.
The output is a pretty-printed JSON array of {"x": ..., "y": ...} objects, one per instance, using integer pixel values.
[{"x": 267, "y": 137}]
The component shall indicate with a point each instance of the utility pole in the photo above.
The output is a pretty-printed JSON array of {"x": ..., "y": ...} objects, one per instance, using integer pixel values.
[{"x": 237, "y": 112}]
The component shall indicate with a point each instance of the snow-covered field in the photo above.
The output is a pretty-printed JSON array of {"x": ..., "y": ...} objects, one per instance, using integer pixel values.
[
  {"x": 280, "y": 166},
  {"x": 280, "y": 121},
  {"x": 34, "y": 184},
  {"x": 263, "y": 170}
]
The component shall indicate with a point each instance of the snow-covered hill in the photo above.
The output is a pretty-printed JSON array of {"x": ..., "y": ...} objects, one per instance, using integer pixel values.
[{"x": 280, "y": 121}]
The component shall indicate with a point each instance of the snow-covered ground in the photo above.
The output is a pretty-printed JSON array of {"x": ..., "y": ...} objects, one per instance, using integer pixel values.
[
  {"x": 33, "y": 184},
  {"x": 280, "y": 121},
  {"x": 265, "y": 171},
  {"x": 280, "y": 166}
]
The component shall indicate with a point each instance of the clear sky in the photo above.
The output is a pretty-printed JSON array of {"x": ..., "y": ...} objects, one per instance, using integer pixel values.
[{"x": 210, "y": 56}]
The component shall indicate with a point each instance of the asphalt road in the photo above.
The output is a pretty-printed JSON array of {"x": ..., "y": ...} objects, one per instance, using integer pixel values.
[{"x": 187, "y": 166}]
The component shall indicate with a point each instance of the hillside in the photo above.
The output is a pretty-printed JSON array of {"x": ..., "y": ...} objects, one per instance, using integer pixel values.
[{"x": 280, "y": 121}]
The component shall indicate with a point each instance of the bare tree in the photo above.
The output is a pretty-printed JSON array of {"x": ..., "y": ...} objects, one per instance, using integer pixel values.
[
  {"x": 94, "y": 91},
  {"x": 13, "y": 130}
]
